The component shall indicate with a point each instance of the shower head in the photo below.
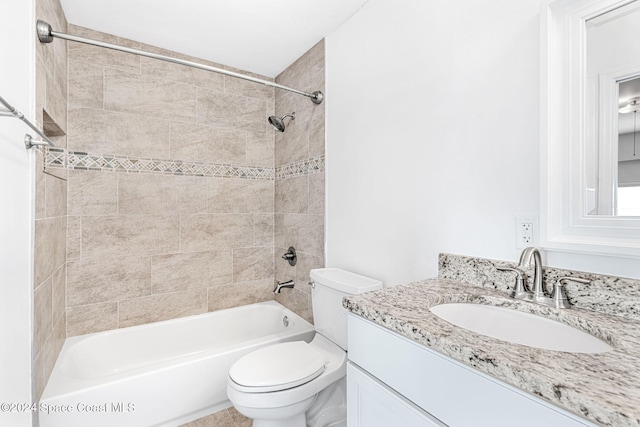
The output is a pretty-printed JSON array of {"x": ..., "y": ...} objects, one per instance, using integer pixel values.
[{"x": 278, "y": 122}]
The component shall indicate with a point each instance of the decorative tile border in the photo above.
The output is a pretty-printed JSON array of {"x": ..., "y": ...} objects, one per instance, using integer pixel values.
[
  {"x": 61, "y": 158},
  {"x": 57, "y": 158},
  {"x": 303, "y": 167}
]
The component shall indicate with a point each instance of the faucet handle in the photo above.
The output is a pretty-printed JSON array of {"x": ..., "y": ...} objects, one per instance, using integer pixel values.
[
  {"x": 520, "y": 290},
  {"x": 559, "y": 295}
]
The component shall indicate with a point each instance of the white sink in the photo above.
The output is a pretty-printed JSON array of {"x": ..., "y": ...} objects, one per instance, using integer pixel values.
[{"x": 519, "y": 328}]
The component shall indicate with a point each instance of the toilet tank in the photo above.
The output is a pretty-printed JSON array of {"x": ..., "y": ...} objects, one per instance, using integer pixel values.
[{"x": 330, "y": 286}]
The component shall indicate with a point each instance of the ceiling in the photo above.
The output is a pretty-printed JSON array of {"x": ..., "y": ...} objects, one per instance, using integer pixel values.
[{"x": 261, "y": 36}]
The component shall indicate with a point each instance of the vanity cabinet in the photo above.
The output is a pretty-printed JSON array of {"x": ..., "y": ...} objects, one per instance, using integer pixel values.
[
  {"x": 373, "y": 404},
  {"x": 392, "y": 380}
]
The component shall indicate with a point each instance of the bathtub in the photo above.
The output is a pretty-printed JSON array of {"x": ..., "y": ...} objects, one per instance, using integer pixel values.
[{"x": 160, "y": 374}]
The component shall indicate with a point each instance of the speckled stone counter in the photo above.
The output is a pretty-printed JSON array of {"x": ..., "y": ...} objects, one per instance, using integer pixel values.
[{"x": 603, "y": 388}]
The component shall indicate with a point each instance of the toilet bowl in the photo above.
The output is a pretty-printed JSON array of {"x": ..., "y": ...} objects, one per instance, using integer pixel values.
[
  {"x": 299, "y": 384},
  {"x": 274, "y": 390}
]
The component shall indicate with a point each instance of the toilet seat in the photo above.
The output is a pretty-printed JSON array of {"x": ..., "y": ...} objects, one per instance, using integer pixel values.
[{"x": 277, "y": 367}]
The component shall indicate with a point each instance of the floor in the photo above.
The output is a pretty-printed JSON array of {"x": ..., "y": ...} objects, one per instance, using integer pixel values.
[{"x": 226, "y": 418}]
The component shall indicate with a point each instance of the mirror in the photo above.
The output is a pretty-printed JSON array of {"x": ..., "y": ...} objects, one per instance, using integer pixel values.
[
  {"x": 590, "y": 77},
  {"x": 627, "y": 202},
  {"x": 612, "y": 89}
]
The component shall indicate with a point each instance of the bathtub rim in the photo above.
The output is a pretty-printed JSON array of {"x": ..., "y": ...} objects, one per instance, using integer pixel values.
[{"x": 61, "y": 385}]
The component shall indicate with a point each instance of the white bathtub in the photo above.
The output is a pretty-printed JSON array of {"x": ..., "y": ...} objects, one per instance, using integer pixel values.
[{"x": 160, "y": 374}]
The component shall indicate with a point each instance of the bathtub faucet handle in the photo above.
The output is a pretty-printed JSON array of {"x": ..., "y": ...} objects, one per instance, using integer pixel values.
[
  {"x": 290, "y": 256},
  {"x": 280, "y": 285}
]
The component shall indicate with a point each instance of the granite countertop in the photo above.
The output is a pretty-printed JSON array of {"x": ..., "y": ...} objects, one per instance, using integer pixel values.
[{"x": 603, "y": 388}]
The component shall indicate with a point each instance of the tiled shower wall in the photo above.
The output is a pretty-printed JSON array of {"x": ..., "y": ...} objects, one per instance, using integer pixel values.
[
  {"x": 158, "y": 200},
  {"x": 49, "y": 327},
  {"x": 299, "y": 191},
  {"x": 170, "y": 191}
]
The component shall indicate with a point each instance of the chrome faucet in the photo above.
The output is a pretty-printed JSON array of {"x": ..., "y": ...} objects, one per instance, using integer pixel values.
[
  {"x": 280, "y": 285},
  {"x": 539, "y": 295},
  {"x": 538, "y": 290}
]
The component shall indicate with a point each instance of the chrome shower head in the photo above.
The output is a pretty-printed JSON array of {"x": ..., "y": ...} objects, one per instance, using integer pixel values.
[{"x": 278, "y": 122}]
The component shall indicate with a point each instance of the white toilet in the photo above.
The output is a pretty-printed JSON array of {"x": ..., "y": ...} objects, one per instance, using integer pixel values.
[{"x": 298, "y": 384}]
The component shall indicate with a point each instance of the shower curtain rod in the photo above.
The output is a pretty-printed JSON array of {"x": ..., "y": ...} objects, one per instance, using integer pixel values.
[
  {"x": 29, "y": 142},
  {"x": 46, "y": 35}
]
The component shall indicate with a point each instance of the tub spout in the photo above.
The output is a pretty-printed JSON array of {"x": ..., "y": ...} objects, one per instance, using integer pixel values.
[{"x": 280, "y": 285}]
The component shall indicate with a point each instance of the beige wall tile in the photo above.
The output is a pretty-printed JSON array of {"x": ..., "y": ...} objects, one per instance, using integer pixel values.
[
  {"x": 292, "y": 194},
  {"x": 263, "y": 229},
  {"x": 41, "y": 87},
  {"x": 161, "y": 194},
  {"x": 317, "y": 132},
  {"x": 107, "y": 280},
  {"x": 56, "y": 106},
  {"x": 87, "y": 130},
  {"x": 198, "y": 143},
  {"x": 316, "y": 193},
  {"x": 155, "y": 308},
  {"x": 181, "y": 73},
  {"x": 150, "y": 96},
  {"x": 74, "y": 237},
  {"x": 87, "y": 319},
  {"x": 246, "y": 88},
  {"x": 123, "y": 134},
  {"x": 240, "y": 195},
  {"x": 54, "y": 345},
  {"x": 297, "y": 301},
  {"x": 111, "y": 236},
  {"x": 56, "y": 196},
  {"x": 92, "y": 192},
  {"x": 278, "y": 232},
  {"x": 50, "y": 247},
  {"x": 231, "y": 111},
  {"x": 50, "y": 202},
  {"x": 191, "y": 257},
  {"x": 59, "y": 293},
  {"x": 241, "y": 293},
  {"x": 260, "y": 148},
  {"x": 40, "y": 187},
  {"x": 305, "y": 232},
  {"x": 101, "y": 56},
  {"x": 304, "y": 266},
  {"x": 216, "y": 231},
  {"x": 292, "y": 145},
  {"x": 256, "y": 196},
  {"x": 220, "y": 195},
  {"x": 303, "y": 107},
  {"x": 179, "y": 272},
  {"x": 42, "y": 318},
  {"x": 85, "y": 85},
  {"x": 252, "y": 264},
  {"x": 138, "y": 135},
  {"x": 60, "y": 69},
  {"x": 306, "y": 73}
]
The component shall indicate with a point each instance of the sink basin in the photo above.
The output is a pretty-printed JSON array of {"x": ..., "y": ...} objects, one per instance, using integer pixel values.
[{"x": 519, "y": 328}]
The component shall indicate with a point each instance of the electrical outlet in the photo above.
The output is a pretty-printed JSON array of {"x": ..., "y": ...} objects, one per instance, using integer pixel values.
[
  {"x": 526, "y": 233},
  {"x": 526, "y": 229}
]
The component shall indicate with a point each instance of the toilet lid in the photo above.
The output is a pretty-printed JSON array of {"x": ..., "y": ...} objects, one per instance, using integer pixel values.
[{"x": 278, "y": 367}]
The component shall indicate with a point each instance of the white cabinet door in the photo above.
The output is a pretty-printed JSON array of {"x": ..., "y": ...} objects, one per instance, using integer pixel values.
[
  {"x": 370, "y": 403},
  {"x": 456, "y": 394}
]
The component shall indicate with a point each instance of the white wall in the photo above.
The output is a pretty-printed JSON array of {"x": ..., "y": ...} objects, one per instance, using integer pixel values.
[
  {"x": 433, "y": 137},
  {"x": 17, "y": 55}
]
